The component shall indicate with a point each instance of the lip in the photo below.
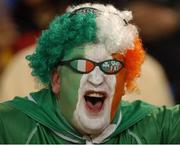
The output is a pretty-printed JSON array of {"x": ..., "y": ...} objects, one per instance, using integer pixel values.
[{"x": 94, "y": 100}]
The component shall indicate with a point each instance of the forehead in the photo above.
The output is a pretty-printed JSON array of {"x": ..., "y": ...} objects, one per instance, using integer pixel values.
[{"x": 96, "y": 52}]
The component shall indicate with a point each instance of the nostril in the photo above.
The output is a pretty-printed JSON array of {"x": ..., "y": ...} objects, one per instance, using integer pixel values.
[{"x": 95, "y": 83}]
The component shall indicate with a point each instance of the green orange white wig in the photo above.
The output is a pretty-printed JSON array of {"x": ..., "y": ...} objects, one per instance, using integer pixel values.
[{"x": 109, "y": 27}]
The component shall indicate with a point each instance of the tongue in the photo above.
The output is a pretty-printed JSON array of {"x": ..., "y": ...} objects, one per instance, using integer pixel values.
[{"x": 94, "y": 107}]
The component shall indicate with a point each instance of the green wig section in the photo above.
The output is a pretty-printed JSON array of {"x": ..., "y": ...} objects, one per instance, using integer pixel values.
[{"x": 64, "y": 33}]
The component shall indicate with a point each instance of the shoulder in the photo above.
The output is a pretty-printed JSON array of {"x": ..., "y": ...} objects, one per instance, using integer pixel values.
[
  {"x": 8, "y": 112},
  {"x": 157, "y": 113},
  {"x": 137, "y": 108},
  {"x": 14, "y": 124},
  {"x": 160, "y": 125}
]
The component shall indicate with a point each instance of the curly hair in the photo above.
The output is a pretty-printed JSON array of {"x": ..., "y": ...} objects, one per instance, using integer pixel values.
[
  {"x": 63, "y": 34},
  {"x": 69, "y": 31},
  {"x": 133, "y": 61}
]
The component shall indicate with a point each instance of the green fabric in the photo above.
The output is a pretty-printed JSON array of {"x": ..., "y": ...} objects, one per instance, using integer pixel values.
[{"x": 24, "y": 121}]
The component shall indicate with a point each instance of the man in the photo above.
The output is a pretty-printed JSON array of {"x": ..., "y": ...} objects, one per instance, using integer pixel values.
[{"x": 87, "y": 58}]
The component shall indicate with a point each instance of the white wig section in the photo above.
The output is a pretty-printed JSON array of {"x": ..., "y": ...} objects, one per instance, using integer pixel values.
[{"x": 112, "y": 30}]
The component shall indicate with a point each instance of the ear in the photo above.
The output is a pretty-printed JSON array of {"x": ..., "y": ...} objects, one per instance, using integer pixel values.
[{"x": 55, "y": 83}]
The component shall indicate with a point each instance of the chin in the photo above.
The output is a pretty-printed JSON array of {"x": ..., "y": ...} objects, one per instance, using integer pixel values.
[{"x": 92, "y": 114}]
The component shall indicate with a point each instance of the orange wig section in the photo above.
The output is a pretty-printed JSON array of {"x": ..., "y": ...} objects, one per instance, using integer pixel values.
[{"x": 133, "y": 61}]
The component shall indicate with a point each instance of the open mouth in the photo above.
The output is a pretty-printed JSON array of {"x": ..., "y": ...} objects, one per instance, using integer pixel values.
[{"x": 94, "y": 100}]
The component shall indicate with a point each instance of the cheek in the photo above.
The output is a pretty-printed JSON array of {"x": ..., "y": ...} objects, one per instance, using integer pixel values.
[
  {"x": 118, "y": 93},
  {"x": 69, "y": 86}
]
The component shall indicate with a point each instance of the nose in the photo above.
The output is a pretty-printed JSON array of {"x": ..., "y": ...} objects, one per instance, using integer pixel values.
[{"x": 96, "y": 77}]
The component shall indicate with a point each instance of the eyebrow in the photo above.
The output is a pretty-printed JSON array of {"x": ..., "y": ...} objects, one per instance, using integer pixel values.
[
  {"x": 115, "y": 56},
  {"x": 72, "y": 57}
]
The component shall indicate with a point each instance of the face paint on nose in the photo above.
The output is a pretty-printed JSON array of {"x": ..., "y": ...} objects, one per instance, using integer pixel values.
[{"x": 119, "y": 87}]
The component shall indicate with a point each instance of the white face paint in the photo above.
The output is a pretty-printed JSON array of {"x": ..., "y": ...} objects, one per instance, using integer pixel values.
[{"x": 92, "y": 118}]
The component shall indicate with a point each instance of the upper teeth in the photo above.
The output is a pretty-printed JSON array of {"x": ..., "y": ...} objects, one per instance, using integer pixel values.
[{"x": 96, "y": 95}]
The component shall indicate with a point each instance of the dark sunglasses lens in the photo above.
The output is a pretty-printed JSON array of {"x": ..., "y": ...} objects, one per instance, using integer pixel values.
[
  {"x": 111, "y": 66},
  {"x": 82, "y": 65}
]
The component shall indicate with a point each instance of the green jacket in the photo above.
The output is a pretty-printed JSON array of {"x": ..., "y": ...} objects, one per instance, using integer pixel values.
[{"x": 37, "y": 119}]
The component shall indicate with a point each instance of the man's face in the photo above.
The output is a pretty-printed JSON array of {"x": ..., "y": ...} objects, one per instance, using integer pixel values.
[{"x": 89, "y": 101}]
